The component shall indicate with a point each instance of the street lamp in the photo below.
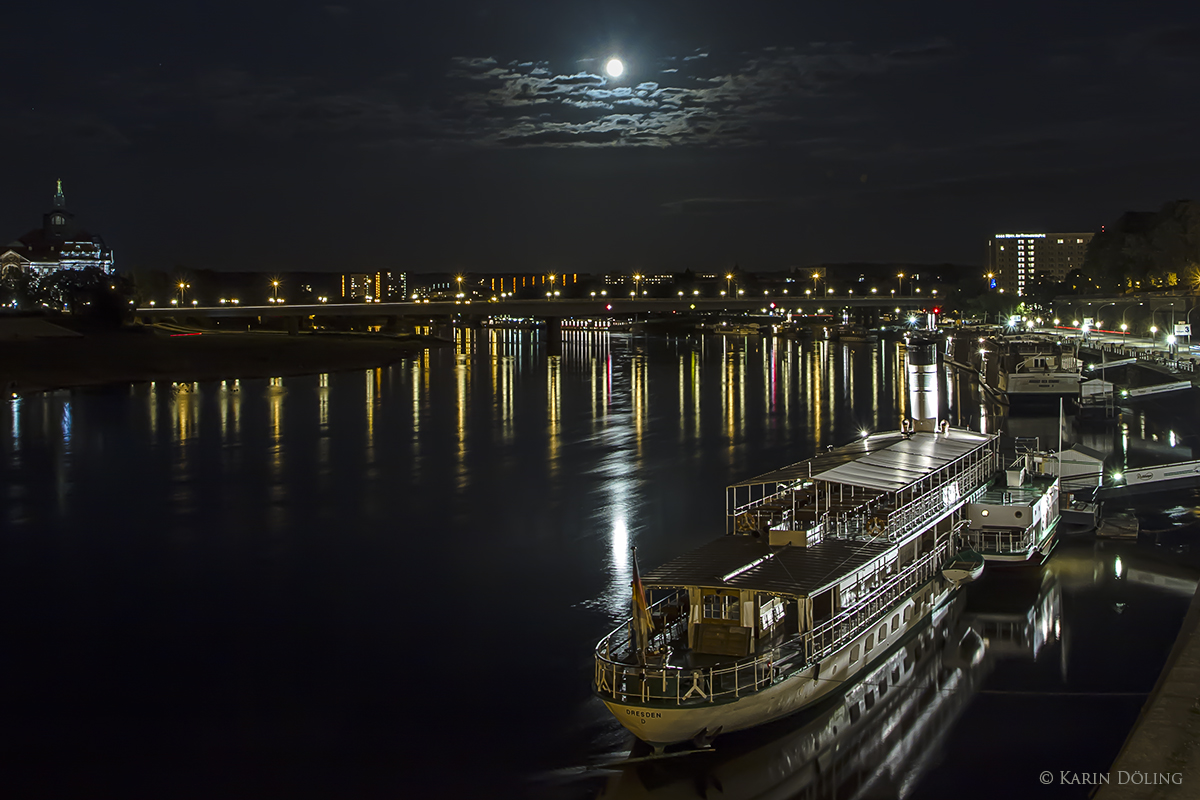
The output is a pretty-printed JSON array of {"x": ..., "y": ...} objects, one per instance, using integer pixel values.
[
  {"x": 274, "y": 291},
  {"x": 552, "y": 277},
  {"x": 900, "y": 282},
  {"x": 637, "y": 283}
]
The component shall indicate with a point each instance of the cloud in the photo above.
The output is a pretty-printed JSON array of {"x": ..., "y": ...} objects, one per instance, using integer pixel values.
[{"x": 709, "y": 100}]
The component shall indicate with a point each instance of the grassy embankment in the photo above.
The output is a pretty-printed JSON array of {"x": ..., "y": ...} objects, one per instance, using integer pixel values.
[{"x": 147, "y": 354}]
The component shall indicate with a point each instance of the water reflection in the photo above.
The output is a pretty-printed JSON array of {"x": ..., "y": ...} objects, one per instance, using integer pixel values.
[
  {"x": 883, "y": 735},
  {"x": 305, "y": 554},
  {"x": 876, "y": 739},
  {"x": 553, "y": 410}
]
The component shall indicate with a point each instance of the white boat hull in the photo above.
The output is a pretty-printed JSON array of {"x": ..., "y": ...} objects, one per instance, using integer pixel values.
[{"x": 661, "y": 725}]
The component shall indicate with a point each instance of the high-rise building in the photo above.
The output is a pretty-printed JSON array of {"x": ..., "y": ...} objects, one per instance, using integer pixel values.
[
  {"x": 375, "y": 286},
  {"x": 1018, "y": 260},
  {"x": 59, "y": 244}
]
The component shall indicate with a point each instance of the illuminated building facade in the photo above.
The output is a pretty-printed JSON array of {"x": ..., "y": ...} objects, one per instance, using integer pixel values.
[
  {"x": 375, "y": 286},
  {"x": 531, "y": 284},
  {"x": 59, "y": 244},
  {"x": 1018, "y": 260}
]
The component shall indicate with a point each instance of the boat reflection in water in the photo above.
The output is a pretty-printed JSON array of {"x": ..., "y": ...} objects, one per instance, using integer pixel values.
[{"x": 880, "y": 737}]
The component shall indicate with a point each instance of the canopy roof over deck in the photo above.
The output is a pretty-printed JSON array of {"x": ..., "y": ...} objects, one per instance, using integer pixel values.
[
  {"x": 886, "y": 462},
  {"x": 784, "y": 570}
]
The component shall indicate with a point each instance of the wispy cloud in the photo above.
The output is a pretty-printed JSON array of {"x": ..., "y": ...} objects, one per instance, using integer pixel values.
[{"x": 707, "y": 100}]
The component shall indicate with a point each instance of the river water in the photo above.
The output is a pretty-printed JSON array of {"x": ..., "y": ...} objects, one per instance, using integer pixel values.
[{"x": 389, "y": 583}]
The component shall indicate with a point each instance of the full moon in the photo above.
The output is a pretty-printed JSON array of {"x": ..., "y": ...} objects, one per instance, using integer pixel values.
[{"x": 614, "y": 67}]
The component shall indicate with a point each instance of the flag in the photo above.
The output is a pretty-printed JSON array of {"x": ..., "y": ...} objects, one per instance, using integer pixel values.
[{"x": 643, "y": 626}]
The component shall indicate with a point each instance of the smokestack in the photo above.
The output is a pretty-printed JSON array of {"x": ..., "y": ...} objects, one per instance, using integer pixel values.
[{"x": 921, "y": 362}]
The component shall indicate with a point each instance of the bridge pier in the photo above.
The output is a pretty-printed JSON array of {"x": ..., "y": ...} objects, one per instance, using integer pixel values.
[
  {"x": 553, "y": 336},
  {"x": 293, "y": 325}
]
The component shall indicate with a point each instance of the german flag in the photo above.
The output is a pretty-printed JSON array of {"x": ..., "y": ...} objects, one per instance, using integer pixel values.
[{"x": 643, "y": 625}]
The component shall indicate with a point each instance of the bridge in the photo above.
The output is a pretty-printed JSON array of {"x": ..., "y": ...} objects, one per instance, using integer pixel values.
[
  {"x": 553, "y": 311},
  {"x": 559, "y": 307}
]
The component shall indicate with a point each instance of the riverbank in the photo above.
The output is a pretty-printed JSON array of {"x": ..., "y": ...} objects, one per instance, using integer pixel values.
[
  {"x": 1161, "y": 757},
  {"x": 149, "y": 354}
]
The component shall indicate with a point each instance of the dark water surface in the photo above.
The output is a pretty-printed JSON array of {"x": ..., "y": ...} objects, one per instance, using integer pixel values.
[{"x": 388, "y": 584}]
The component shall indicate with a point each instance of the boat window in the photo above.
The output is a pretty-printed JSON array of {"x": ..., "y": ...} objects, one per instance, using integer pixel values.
[
  {"x": 854, "y": 654},
  {"x": 870, "y": 642},
  {"x": 883, "y": 631},
  {"x": 908, "y": 613},
  {"x": 895, "y": 623},
  {"x": 722, "y": 606},
  {"x": 770, "y": 612}
]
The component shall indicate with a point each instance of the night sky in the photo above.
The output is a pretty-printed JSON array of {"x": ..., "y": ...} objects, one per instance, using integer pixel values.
[{"x": 486, "y": 136}]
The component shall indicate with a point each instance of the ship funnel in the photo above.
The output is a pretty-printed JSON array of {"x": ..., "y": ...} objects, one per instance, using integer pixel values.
[{"x": 921, "y": 365}]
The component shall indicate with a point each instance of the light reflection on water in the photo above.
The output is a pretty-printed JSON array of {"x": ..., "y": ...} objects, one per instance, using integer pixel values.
[{"x": 522, "y": 480}]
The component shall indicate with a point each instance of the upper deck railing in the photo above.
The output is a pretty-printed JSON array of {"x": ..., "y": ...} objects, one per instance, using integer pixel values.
[{"x": 936, "y": 494}]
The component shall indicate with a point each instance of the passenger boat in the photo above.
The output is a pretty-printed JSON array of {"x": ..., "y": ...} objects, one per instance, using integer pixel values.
[
  {"x": 1014, "y": 519},
  {"x": 1034, "y": 368},
  {"x": 826, "y": 566},
  {"x": 1024, "y": 370}
]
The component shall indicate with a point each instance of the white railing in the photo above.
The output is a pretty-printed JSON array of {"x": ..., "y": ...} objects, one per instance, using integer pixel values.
[
  {"x": 934, "y": 503},
  {"x": 657, "y": 682},
  {"x": 1001, "y": 542}
]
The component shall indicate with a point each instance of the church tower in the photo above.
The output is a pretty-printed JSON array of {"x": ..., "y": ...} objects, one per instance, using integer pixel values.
[{"x": 59, "y": 224}]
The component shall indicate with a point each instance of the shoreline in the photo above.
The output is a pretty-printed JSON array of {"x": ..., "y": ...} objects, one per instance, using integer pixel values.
[{"x": 30, "y": 366}]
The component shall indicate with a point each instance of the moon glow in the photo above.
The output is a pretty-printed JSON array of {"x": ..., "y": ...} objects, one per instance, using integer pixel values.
[{"x": 614, "y": 67}]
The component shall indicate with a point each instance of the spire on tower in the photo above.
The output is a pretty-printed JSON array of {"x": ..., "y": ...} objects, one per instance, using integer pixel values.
[{"x": 60, "y": 201}]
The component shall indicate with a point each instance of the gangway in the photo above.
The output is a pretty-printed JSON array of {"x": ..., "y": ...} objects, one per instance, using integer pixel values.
[
  {"x": 1159, "y": 478},
  {"x": 1121, "y": 362},
  {"x": 1158, "y": 389}
]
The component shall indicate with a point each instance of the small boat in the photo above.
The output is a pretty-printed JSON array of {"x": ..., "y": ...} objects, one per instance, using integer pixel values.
[
  {"x": 855, "y": 333},
  {"x": 1014, "y": 519},
  {"x": 964, "y": 567},
  {"x": 1118, "y": 526}
]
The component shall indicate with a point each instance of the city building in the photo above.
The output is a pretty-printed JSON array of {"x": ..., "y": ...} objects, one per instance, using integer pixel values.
[
  {"x": 375, "y": 286},
  {"x": 1018, "y": 260},
  {"x": 59, "y": 244},
  {"x": 532, "y": 284}
]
